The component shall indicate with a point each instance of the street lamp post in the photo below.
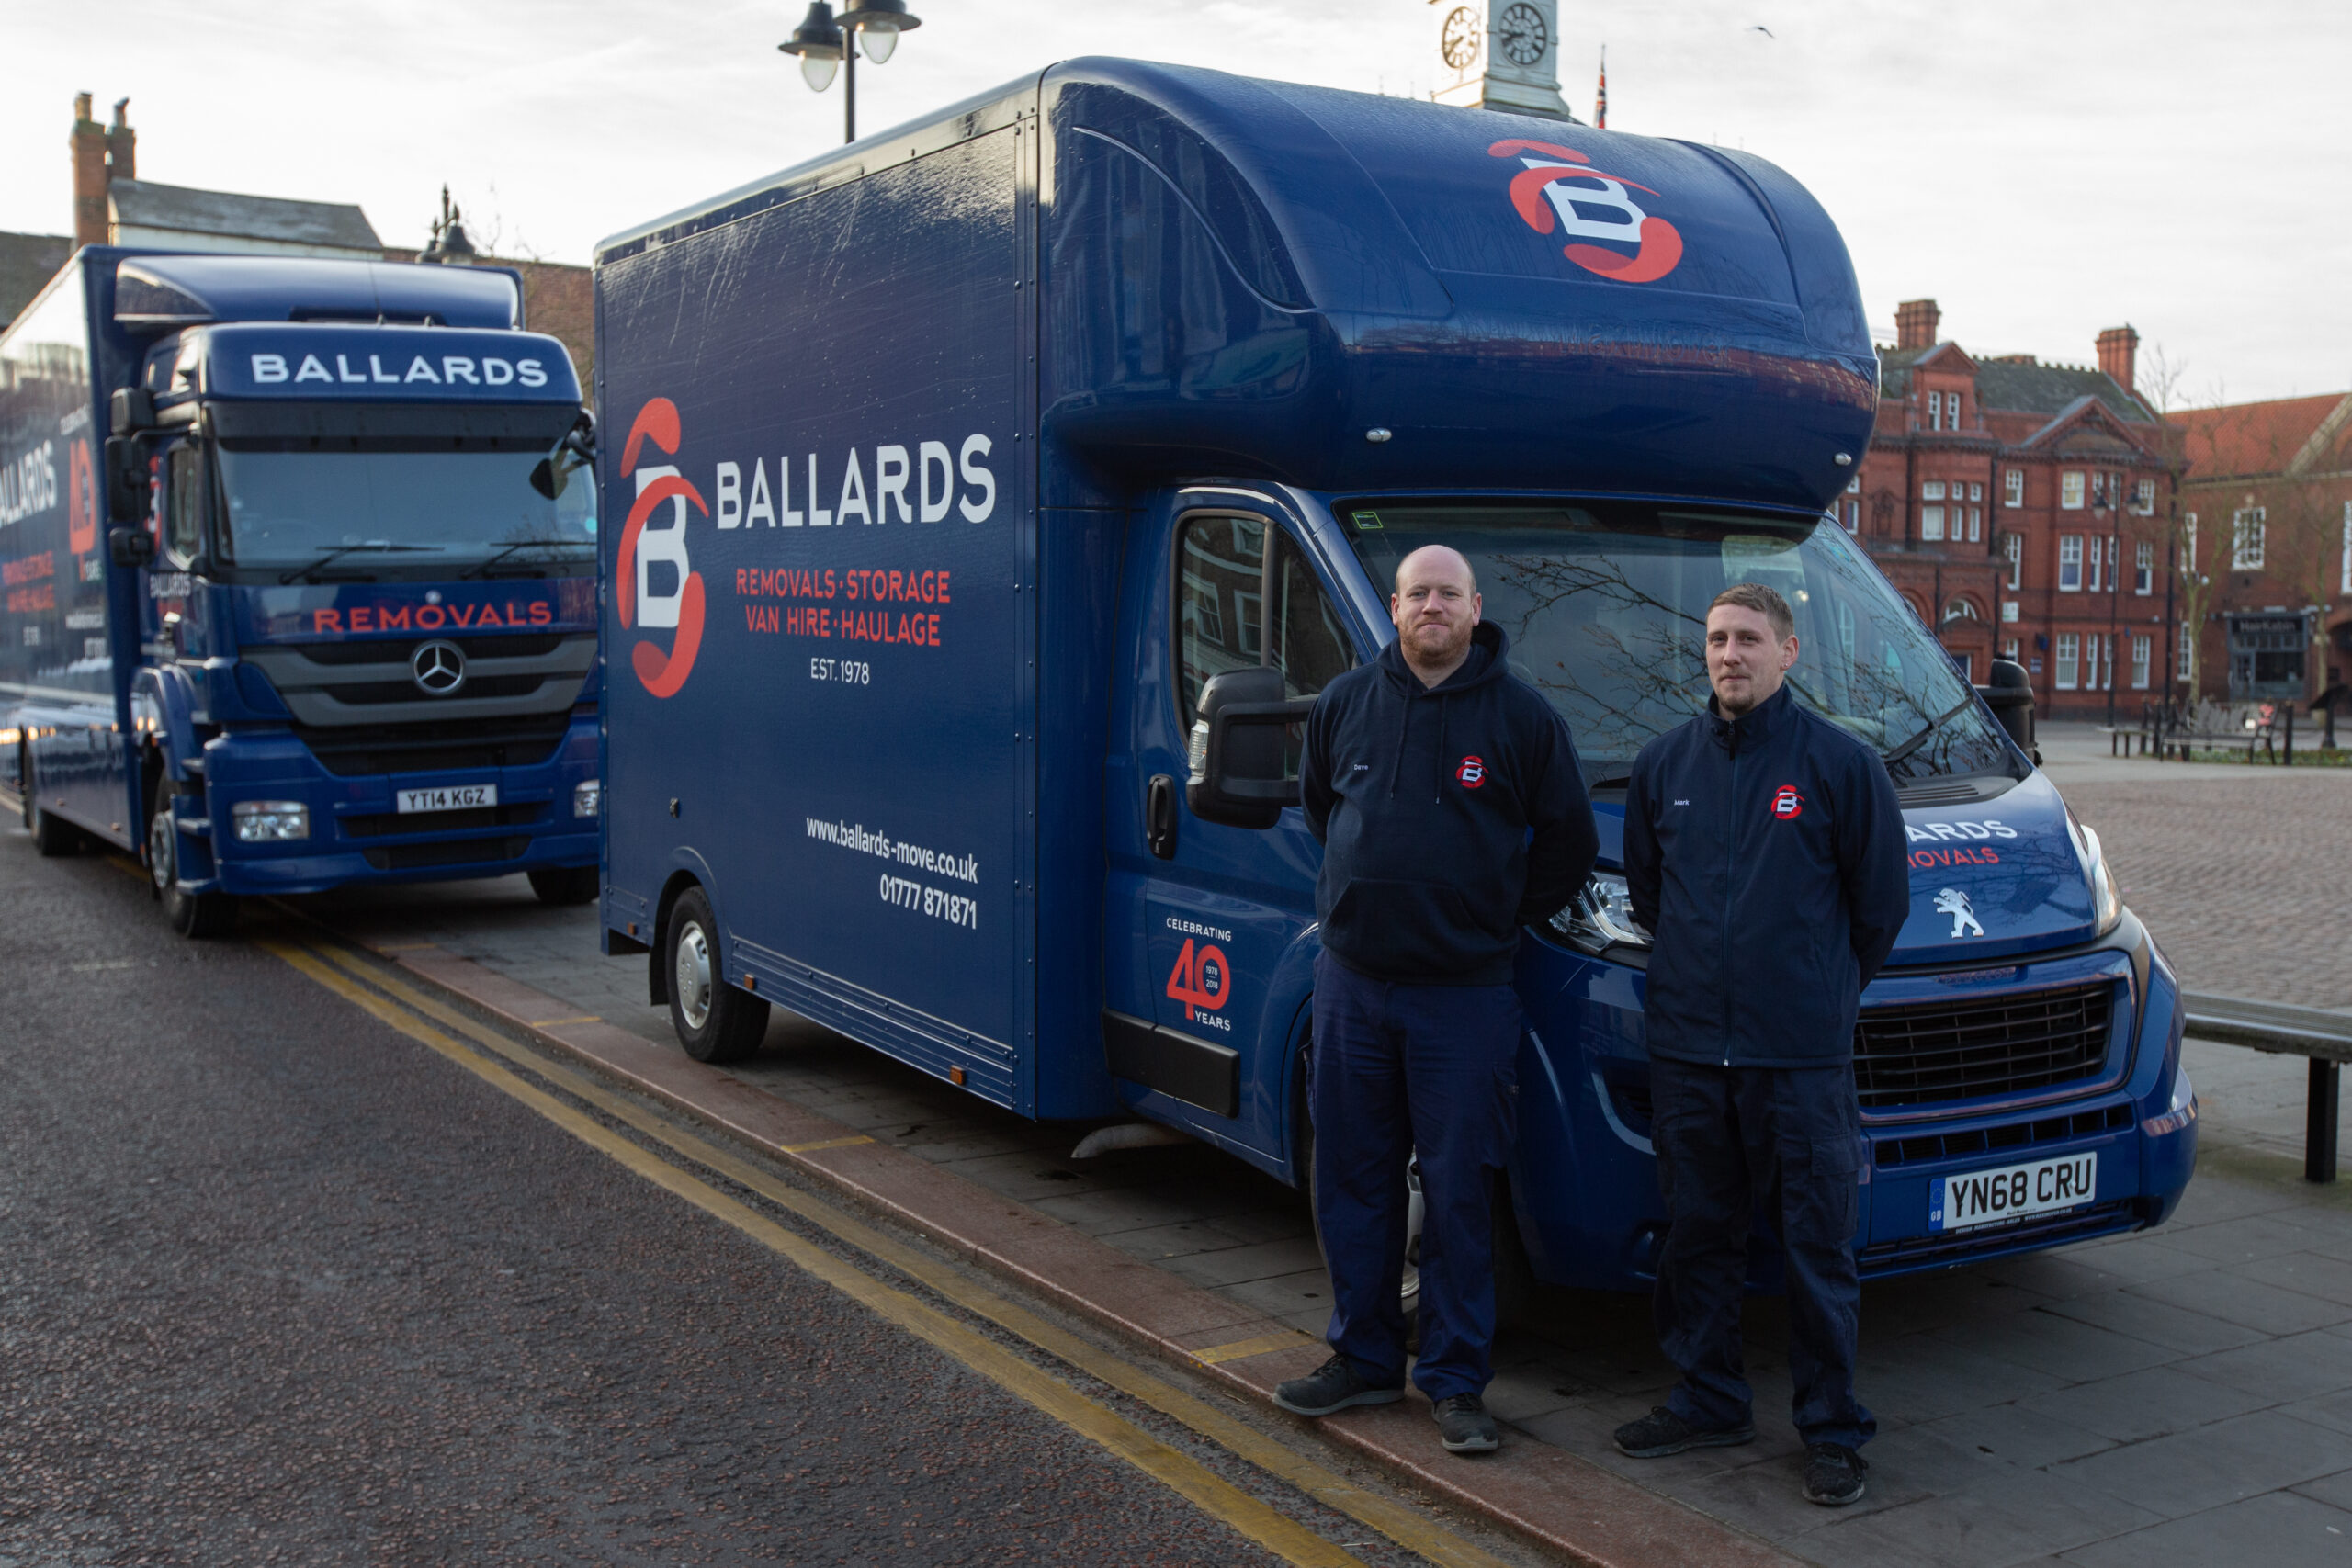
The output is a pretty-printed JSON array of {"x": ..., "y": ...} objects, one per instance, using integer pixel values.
[{"x": 827, "y": 44}]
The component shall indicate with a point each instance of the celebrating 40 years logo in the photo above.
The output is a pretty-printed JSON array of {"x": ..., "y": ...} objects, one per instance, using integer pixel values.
[{"x": 1557, "y": 189}]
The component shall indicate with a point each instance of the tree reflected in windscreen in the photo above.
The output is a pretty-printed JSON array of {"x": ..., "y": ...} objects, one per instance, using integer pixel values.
[{"x": 1606, "y": 607}]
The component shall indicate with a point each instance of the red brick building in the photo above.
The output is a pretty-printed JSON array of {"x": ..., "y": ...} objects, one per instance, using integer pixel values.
[
  {"x": 2022, "y": 509},
  {"x": 2266, "y": 547}
]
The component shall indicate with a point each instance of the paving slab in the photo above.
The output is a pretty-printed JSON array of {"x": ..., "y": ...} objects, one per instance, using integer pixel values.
[
  {"x": 2224, "y": 1462},
  {"x": 2280, "y": 1529}
]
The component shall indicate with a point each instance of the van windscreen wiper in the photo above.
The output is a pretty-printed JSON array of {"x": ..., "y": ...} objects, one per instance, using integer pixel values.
[
  {"x": 312, "y": 570},
  {"x": 1920, "y": 737},
  {"x": 482, "y": 568}
]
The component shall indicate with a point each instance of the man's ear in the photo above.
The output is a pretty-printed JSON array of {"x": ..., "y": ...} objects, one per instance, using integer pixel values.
[{"x": 1789, "y": 651}]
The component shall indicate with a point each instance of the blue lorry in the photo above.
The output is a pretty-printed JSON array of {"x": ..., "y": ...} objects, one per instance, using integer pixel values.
[
  {"x": 1002, "y": 489},
  {"x": 300, "y": 570}
]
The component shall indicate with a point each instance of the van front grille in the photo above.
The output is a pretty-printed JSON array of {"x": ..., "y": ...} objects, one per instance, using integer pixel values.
[{"x": 1927, "y": 1053}]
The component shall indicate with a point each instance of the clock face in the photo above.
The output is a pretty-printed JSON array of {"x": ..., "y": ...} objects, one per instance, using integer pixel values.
[
  {"x": 1524, "y": 37},
  {"x": 1459, "y": 44}
]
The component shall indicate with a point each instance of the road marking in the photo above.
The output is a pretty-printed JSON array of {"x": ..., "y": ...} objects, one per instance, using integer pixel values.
[
  {"x": 1264, "y": 1345},
  {"x": 404, "y": 946},
  {"x": 1393, "y": 1519},
  {"x": 553, "y": 1023},
  {"x": 1285, "y": 1538},
  {"x": 823, "y": 1144}
]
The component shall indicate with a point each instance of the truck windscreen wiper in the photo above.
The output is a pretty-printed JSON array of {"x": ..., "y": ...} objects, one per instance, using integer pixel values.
[
  {"x": 482, "y": 568},
  {"x": 341, "y": 550},
  {"x": 1920, "y": 738}
]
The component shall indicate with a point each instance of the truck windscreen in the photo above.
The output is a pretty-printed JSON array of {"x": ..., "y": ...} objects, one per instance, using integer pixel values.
[
  {"x": 354, "y": 507},
  {"x": 1606, "y": 609}
]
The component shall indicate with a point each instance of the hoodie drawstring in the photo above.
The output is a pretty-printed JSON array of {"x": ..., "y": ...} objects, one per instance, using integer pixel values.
[
  {"x": 1396, "y": 757},
  {"x": 1443, "y": 702}
]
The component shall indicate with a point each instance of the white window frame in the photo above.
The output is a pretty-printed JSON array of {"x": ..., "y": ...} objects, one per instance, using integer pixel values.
[
  {"x": 2070, "y": 562},
  {"x": 2070, "y": 660},
  {"x": 2009, "y": 650},
  {"x": 1854, "y": 485},
  {"x": 2142, "y": 650},
  {"x": 2013, "y": 483},
  {"x": 2144, "y": 567},
  {"x": 1975, "y": 523},
  {"x": 2013, "y": 548},
  {"x": 1931, "y": 523},
  {"x": 2249, "y": 538},
  {"x": 1975, "y": 493},
  {"x": 2147, "y": 498},
  {"x": 2096, "y": 551},
  {"x": 2185, "y": 658},
  {"x": 1853, "y": 517},
  {"x": 1931, "y": 490},
  {"x": 2070, "y": 490}
]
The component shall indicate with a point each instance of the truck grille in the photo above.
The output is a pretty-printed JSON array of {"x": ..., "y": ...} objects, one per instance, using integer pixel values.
[
  {"x": 460, "y": 851},
  {"x": 520, "y": 743},
  {"x": 1923, "y": 1054},
  {"x": 375, "y": 825}
]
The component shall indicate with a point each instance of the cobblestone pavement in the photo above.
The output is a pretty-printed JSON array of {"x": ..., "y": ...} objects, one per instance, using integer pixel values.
[{"x": 2182, "y": 1395}]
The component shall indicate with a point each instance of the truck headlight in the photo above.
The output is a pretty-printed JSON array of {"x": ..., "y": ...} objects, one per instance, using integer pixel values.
[
  {"x": 2107, "y": 899},
  {"x": 270, "y": 821},
  {"x": 1602, "y": 916},
  {"x": 588, "y": 799}
]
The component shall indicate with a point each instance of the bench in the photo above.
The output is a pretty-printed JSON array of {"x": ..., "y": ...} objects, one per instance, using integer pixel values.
[{"x": 2325, "y": 1037}]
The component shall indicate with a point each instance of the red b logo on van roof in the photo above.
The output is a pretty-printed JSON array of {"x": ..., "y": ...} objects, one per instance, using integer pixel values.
[
  {"x": 680, "y": 607},
  {"x": 1556, "y": 187}
]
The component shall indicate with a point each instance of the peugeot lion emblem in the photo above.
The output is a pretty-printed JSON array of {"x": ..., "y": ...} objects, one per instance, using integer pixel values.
[
  {"x": 439, "y": 667},
  {"x": 1950, "y": 901}
]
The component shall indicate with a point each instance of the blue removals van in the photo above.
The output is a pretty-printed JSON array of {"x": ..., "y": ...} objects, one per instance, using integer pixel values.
[
  {"x": 1002, "y": 489},
  {"x": 300, "y": 564}
]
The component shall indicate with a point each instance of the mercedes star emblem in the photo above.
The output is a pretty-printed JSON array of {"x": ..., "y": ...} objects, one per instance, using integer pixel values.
[{"x": 439, "y": 667}]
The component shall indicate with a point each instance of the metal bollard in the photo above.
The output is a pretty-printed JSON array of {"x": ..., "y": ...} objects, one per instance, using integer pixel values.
[{"x": 2319, "y": 1122}]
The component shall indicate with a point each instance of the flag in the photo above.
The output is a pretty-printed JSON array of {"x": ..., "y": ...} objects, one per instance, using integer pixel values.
[{"x": 1600, "y": 105}]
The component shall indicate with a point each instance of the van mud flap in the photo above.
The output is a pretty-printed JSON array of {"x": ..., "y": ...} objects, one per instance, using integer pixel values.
[{"x": 1197, "y": 1072}]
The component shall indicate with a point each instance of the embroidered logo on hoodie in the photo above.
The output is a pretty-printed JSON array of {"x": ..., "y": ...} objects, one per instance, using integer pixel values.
[{"x": 1787, "y": 803}]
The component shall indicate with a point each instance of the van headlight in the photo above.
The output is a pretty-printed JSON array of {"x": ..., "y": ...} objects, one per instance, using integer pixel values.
[
  {"x": 1602, "y": 916},
  {"x": 270, "y": 821},
  {"x": 2107, "y": 899}
]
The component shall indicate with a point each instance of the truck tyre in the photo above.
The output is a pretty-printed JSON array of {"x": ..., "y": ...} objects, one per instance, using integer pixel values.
[
  {"x": 567, "y": 885},
  {"x": 54, "y": 837},
  {"x": 199, "y": 916},
  {"x": 715, "y": 1022}
]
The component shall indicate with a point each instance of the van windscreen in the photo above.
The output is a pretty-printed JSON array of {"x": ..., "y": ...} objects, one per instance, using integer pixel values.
[{"x": 1606, "y": 608}]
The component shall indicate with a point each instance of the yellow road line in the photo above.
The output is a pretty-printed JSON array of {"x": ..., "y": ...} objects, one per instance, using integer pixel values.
[
  {"x": 824, "y": 1144},
  {"x": 553, "y": 1023},
  {"x": 1242, "y": 1349},
  {"x": 1397, "y": 1522},
  {"x": 1287, "y": 1538}
]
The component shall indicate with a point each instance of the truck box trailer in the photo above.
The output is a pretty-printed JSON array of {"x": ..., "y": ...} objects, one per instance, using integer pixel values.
[{"x": 1002, "y": 489}]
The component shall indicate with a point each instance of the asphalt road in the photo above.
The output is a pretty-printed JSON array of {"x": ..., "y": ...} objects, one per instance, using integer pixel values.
[{"x": 278, "y": 1284}]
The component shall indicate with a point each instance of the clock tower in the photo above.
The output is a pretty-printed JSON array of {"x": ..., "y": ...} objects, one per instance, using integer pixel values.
[{"x": 1501, "y": 54}]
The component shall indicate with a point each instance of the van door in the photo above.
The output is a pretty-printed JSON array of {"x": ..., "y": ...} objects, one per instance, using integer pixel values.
[{"x": 1208, "y": 990}]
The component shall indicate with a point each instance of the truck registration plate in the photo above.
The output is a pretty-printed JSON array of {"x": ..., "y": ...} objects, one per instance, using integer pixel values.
[
  {"x": 452, "y": 797},
  {"x": 1989, "y": 1197}
]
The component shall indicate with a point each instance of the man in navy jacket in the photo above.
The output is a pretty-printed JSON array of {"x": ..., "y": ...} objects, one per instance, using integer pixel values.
[
  {"x": 1451, "y": 810},
  {"x": 1764, "y": 851}
]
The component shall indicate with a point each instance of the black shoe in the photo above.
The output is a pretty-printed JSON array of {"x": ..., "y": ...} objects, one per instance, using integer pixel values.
[
  {"x": 1334, "y": 1385},
  {"x": 1465, "y": 1427},
  {"x": 1833, "y": 1475},
  {"x": 1662, "y": 1432}
]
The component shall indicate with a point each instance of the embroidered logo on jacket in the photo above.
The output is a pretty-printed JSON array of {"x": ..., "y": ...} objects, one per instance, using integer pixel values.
[
  {"x": 1472, "y": 773},
  {"x": 1787, "y": 803}
]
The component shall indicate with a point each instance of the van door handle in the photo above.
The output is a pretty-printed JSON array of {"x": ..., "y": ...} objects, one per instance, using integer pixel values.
[{"x": 1159, "y": 817}]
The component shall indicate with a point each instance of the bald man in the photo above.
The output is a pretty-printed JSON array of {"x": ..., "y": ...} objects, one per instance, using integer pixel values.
[{"x": 1451, "y": 810}]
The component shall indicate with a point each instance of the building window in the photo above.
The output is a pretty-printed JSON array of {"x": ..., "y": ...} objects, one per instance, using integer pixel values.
[
  {"x": 2013, "y": 548},
  {"x": 2009, "y": 650},
  {"x": 1975, "y": 493},
  {"x": 2147, "y": 494},
  {"x": 2009, "y": 611},
  {"x": 2143, "y": 567},
  {"x": 2103, "y": 657},
  {"x": 2070, "y": 563},
  {"x": 1854, "y": 485},
  {"x": 1933, "y": 490},
  {"x": 1960, "y": 610},
  {"x": 1965, "y": 662},
  {"x": 2070, "y": 659},
  {"x": 2248, "y": 526},
  {"x": 1975, "y": 521},
  {"x": 2095, "y": 555},
  {"x": 2185, "y": 658},
  {"x": 1935, "y": 411},
  {"x": 2013, "y": 485},
  {"x": 1931, "y": 521},
  {"x": 2188, "y": 528},
  {"x": 2069, "y": 489},
  {"x": 2140, "y": 646},
  {"x": 2112, "y": 580},
  {"x": 2345, "y": 585},
  {"x": 1853, "y": 517}
]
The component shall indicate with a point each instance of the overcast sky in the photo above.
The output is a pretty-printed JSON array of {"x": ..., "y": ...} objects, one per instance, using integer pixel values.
[{"x": 2042, "y": 169}]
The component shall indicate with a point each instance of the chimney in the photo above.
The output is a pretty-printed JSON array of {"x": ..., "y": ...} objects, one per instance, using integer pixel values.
[
  {"x": 1914, "y": 323},
  {"x": 2118, "y": 355},
  {"x": 122, "y": 146},
  {"x": 89, "y": 144}
]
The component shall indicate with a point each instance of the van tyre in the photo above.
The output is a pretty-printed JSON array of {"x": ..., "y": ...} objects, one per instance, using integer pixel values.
[
  {"x": 199, "y": 916},
  {"x": 54, "y": 837},
  {"x": 566, "y": 884},
  {"x": 715, "y": 1022}
]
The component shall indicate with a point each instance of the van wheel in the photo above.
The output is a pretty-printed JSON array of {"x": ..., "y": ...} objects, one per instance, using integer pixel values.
[
  {"x": 714, "y": 1021},
  {"x": 54, "y": 837},
  {"x": 199, "y": 916},
  {"x": 561, "y": 886}
]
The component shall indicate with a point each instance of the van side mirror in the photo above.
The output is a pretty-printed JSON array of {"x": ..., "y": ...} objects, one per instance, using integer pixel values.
[
  {"x": 1238, "y": 776},
  {"x": 2010, "y": 696},
  {"x": 125, "y": 480},
  {"x": 131, "y": 547}
]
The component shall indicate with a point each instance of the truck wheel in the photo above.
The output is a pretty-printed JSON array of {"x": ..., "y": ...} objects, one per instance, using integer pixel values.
[
  {"x": 54, "y": 837},
  {"x": 199, "y": 916},
  {"x": 561, "y": 886},
  {"x": 715, "y": 1022}
]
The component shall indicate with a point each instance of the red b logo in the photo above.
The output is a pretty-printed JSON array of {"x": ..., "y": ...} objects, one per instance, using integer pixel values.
[
  {"x": 679, "y": 610},
  {"x": 1787, "y": 803},
  {"x": 1472, "y": 773}
]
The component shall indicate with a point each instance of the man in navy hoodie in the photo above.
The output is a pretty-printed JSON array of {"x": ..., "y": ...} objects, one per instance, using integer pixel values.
[
  {"x": 1451, "y": 810},
  {"x": 1764, "y": 849}
]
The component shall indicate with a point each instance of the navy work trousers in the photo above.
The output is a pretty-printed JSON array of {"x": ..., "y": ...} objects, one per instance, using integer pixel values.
[
  {"x": 1726, "y": 1138},
  {"x": 1402, "y": 1072}
]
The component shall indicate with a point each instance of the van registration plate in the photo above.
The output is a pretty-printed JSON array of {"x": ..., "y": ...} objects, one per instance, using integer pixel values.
[
  {"x": 450, "y": 797},
  {"x": 2014, "y": 1192}
]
